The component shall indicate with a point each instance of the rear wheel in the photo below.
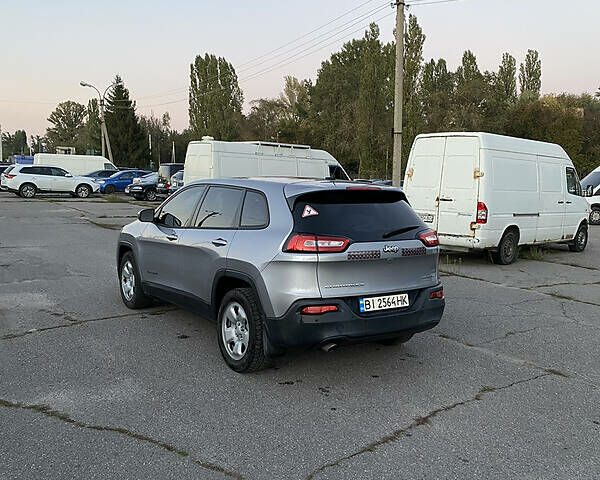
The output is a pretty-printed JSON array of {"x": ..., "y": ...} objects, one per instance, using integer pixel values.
[
  {"x": 507, "y": 248},
  {"x": 27, "y": 190},
  {"x": 150, "y": 195},
  {"x": 240, "y": 331},
  {"x": 580, "y": 241},
  {"x": 595, "y": 216},
  {"x": 130, "y": 283},
  {"x": 83, "y": 191},
  {"x": 397, "y": 340},
  {"x": 109, "y": 189}
]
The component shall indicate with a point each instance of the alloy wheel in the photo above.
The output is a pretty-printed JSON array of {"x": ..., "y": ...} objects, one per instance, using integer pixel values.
[
  {"x": 128, "y": 280},
  {"x": 235, "y": 331}
]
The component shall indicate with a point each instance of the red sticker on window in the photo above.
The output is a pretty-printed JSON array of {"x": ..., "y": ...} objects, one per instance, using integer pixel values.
[{"x": 309, "y": 211}]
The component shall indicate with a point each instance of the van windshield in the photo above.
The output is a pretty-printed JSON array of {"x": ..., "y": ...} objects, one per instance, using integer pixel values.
[
  {"x": 592, "y": 179},
  {"x": 361, "y": 215}
]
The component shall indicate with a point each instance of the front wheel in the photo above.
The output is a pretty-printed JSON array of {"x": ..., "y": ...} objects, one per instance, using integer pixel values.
[
  {"x": 150, "y": 195},
  {"x": 508, "y": 248},
  {"x": 130, "y": 283},
  {"x": 595, "y": 216},
  {"x": 240, "y": 331},
  {"x": 83, "y": 191},
  {"x": 580, "y": 241}
]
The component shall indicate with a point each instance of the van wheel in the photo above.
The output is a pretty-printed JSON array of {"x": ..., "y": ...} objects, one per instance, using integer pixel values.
[
  {"x": 580, "y": 241},
  {"x": 595, "y": 216},
  {"x": 508, "y": 249},
  {"x": 27, "y": 190},
  {"x": 240, "y": 331}
]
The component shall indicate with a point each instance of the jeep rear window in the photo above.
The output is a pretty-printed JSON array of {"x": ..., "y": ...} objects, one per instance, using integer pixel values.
[{"x": 360, "y": 215}]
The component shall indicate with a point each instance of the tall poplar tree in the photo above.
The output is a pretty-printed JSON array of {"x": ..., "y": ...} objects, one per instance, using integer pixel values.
[{"x": 530, "y": 75}]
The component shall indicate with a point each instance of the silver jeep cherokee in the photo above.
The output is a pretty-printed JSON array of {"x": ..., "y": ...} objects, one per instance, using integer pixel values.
[{"x": 286, "y": 263}]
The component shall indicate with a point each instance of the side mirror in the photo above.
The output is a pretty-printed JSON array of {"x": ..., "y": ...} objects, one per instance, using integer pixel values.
[
  {"x": 68, "y": 175},
  {"x": 146, "y": 215},
  {"x": 589, "y": 191}
]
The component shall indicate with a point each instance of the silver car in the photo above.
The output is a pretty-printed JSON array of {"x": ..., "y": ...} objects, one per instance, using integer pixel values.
[{"x": 286, "y": 263}]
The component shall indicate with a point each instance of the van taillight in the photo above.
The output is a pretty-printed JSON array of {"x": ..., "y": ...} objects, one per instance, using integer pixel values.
[
  {"x": 429, "y": 238},
  {"x": 482, "y": 213},
  {"x": 314, "y": 243}
]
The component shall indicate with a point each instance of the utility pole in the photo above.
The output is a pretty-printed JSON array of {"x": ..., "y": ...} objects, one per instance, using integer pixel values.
[{"x": 397, "y": 172}]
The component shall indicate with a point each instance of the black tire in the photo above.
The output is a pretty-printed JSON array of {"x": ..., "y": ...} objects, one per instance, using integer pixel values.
[
  {"x": 109, "y": 189},
  {"x": 27, "y": 190},
  {"x": 580, "y": 241},
  {"x": 595, "y": 216},
  {"x": 150, "y": 195},
  {"x": 248, "y": 324},
  {"x": 397, "y": 340},
  {"x": 508, "y": 248},
  {"x": 83, "y": 191},
  {"x": 137, "y": 298}
]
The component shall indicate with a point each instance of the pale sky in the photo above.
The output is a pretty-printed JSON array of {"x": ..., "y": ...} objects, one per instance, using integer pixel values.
[{"x": 48, "y": 46}]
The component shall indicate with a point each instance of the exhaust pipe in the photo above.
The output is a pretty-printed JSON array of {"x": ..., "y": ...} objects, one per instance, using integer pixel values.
[{"x": 328, "y": 347}]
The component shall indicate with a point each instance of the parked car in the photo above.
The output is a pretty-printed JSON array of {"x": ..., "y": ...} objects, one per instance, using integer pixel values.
[
  {"x": 144, "y": 188},
  {"x": 99, "y": 174},
  {"x": 216, "y": 159},
  {"x": 176, "y": 182},
  {"x": 591, "y": 188},
  {"x": 27, "y": 180},
  {"x": 75, "y": 164},
  {"x": 165, "y": 172},
  {"x": 490, "y": 192},
  {"x": 118, "y": 181},
  {"x": 4, "y": 166},
  {"x": 278, "y": 265}
]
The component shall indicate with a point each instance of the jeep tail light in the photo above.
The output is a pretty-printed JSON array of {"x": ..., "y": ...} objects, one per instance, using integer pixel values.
[
  {"x": 482, "y": 213},
  {"x": 314, "y": 243},
  {"x": 438, "y": 294},
  {"x": 429, "y": 238},
  {"x": 8, "y": 175},
  {"x": 319, "y": 310}
]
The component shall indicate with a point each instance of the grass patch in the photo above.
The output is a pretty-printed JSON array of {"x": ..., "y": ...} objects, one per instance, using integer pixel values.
[
  {"x": 115, "y": 199},
  {"x": 533, "y": 252}
]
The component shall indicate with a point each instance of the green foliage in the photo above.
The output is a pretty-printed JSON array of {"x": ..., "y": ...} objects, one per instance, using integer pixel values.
[
  {"x": 15, "y": 144},
  {"x": 530, "y": 75},
  {"x": 215, "y": 103},
  {"x": 127, "y": 140},
  {"x": 68, "y": 122}
]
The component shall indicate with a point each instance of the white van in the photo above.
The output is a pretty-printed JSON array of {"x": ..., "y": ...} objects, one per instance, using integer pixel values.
[
  {"x": 591, "y": 190},
  {"x": 208, "y": 159},
  {"x": 484, "y": 191},
  {"x": 74, "y": 164}
]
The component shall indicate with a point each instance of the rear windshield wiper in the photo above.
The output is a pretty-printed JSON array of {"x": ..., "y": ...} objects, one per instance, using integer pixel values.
[{"x": 399, "y": 231}]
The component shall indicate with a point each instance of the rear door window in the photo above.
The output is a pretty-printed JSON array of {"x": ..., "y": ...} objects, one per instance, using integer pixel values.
[
  {"x": 255, "y": 213},
  {"x": 179, "y": 210},
  {"x": 360, "y": 215},
  {"x": 220, "y": 208}
]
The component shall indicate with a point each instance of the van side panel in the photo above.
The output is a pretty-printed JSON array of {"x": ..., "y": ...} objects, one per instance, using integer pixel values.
[
  {"x": 512, "y": 195},
  {"x": 551, "y": 197},
  {"x": 198, "y": 162}
]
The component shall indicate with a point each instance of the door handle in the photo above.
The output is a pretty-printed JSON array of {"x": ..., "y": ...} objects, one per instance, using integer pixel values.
[
  {"x": 219, "y": 242},
  {"x": 172, "y": 237},
  {"x": 568, "y": 202},
  {"x": 560, "y": 202},
  {"x": 446, "y": 200}
]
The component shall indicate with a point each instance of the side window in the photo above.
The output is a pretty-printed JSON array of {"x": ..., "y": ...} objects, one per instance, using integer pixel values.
[
  {"x": 255, "y": 212},
  {"x": 109, "y": 166},
  {"x": 44, "y": 171},
  {"x": 573, "y": 185},
  {"x": 127, "y": 176},
  {"x": 28, "y": 170},
  {"x": 58, "y": 172},
  {"x": 179, "y": 210},
  {"x": 220, "y": 208}
]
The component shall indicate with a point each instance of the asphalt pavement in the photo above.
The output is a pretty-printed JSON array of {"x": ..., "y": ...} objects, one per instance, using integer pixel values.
[{"x": 507, "y": 386}]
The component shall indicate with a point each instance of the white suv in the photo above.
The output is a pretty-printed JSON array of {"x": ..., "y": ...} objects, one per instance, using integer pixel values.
[{"x": 27, "y": 180}]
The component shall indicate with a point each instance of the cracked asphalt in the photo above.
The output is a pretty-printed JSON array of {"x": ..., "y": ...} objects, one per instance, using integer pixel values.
[{"x": 507, "y": 386}]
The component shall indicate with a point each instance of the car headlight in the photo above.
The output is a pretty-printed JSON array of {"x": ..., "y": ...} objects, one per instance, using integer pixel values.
[{"x": 101, "y": 182}]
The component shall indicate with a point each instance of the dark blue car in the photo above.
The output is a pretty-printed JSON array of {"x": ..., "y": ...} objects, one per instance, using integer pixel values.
[{"x": 118, "y": 181}]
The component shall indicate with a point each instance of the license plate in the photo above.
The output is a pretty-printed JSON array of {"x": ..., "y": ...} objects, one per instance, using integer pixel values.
[{"x": 386, "y": 302}]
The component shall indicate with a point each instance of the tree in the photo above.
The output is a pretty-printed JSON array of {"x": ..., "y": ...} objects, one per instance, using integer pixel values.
[
  {"x": 506, "y": 80},
  {"x": 68, "y": 121},
  {"x": 215, "y": 98},
  {"x": 93, "y": 134},
  {"x": 266, "y": 118},
  {"x": 127, "y": 140},
  {"x": 530, "y": 75},
  {"x": 15, "y": 144},
  {"x": 436, "y": 92},
  {"x": 470, "y": 94},
  {"x": 294, "y": 127}
]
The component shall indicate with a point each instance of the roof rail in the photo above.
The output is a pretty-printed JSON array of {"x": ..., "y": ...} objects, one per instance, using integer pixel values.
[{"x": 276, "y": 144}]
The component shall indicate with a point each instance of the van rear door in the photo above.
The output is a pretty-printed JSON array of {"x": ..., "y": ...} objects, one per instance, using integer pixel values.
[{"x": 459, "y": 189}]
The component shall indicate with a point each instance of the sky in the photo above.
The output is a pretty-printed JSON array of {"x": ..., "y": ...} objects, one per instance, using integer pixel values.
[{"x": 48, "y": 46}]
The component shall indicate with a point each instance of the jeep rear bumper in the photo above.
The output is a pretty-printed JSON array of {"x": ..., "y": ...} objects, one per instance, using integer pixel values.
[{"x": 348, "y": 325}]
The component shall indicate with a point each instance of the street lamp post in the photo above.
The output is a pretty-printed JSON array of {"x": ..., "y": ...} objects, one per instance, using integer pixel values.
[{"x": 104, "y": 131}]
